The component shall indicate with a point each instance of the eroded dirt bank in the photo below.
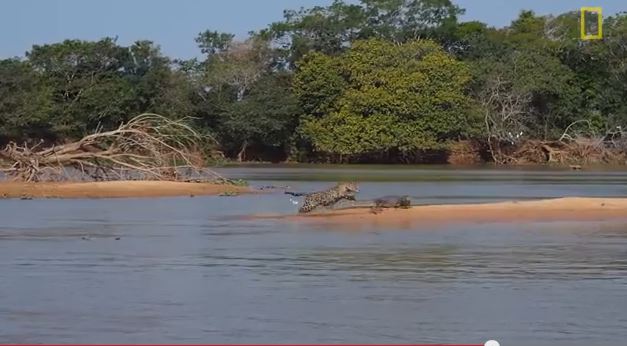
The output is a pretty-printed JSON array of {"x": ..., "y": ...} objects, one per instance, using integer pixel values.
[
  {"x": 114, "y": 189},
  {"x": 560, "y": 209}
]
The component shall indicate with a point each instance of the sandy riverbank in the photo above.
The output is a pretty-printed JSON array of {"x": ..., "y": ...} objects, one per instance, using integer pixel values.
[
  {"x": 114, "y": 189},
  {"x": 560, "y": 209}
]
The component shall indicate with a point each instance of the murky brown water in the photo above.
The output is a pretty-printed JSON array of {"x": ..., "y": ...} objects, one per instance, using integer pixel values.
[{"x": 190, "y": 270}]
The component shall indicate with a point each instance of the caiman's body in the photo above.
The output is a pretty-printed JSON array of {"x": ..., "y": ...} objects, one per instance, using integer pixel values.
[
  {"x": 378, "y": 204},
  {"x": 392, "y": 202}
]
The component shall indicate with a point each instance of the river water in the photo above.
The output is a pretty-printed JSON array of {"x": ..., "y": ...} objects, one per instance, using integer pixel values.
[{"x": 192, "y": 270}]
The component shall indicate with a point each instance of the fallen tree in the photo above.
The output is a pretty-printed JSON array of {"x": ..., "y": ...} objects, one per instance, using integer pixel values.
[
  {"x": 579, "y": 151},
  {"x": 570, "y": 148},
  {"x": 148, "y": 147},
  {"x": 575, "y": 152}
]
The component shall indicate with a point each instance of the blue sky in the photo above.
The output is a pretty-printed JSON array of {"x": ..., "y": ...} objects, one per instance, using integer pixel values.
[{"x": 173, "y": 24}]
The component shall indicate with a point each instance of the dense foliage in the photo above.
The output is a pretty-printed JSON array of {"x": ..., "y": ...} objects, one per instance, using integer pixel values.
[
  {"x": 381, "y": 80},
  {"x": 380, "y": 97}
]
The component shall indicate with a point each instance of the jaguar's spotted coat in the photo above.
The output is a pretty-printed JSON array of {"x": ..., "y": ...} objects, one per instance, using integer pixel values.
[{"x": 328, "y": 197}]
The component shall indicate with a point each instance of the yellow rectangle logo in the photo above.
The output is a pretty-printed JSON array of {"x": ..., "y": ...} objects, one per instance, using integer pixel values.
[{"x": 591, "y": 27}]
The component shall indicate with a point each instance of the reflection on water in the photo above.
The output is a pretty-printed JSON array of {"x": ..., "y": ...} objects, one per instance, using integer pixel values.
[{"x": 189, "y": 270}]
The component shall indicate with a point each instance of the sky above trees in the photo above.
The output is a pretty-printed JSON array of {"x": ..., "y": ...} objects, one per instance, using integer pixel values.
[{"x": 173, "y": 24}]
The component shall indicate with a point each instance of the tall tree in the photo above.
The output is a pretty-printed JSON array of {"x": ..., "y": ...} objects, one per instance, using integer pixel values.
[
  {"x": 406, "y": 20},
  {"x": 402, "y": 98},
  {"x": 331, "y": 30},
  {"x": 87, "y": 82},
  {"x": 265, "y": 119},
  {"x": 157, "y": 86},
  {"x": 25, "y": 103}
]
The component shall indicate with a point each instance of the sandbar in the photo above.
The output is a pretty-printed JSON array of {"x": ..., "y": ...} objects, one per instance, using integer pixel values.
[
  {"x": 557, "y": 209},
  {"x": 115, "y": 189}
]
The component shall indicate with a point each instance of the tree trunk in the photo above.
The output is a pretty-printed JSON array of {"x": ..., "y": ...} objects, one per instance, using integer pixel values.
[
  {"x": 242, "y": 152},
  {"x": 551, "y": 153},
  {"x": 240, "y": 94}
]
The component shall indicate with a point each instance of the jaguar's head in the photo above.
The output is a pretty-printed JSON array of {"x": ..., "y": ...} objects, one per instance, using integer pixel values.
[{"x": 347, "y": 188}]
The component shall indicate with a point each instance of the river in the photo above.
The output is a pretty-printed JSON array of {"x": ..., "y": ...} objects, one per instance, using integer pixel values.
[{"x": 193, "y": 270}]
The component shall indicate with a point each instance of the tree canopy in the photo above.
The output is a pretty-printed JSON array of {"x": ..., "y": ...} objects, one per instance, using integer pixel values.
[
  {"x": 383, "y": 96},
  {"x": 362, "y": 81}
]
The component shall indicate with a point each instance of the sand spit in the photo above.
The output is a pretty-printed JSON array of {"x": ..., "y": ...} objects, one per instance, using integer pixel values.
[
  {"x": 115, "y": 189},
  {"x": 559, "y": 209}
]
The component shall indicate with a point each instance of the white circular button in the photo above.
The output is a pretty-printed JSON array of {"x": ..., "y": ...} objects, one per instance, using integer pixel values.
[{"x": 491, "y": 343}]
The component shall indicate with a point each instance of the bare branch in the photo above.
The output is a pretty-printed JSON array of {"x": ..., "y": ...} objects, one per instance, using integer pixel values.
[{"x": 149, "y": 145}]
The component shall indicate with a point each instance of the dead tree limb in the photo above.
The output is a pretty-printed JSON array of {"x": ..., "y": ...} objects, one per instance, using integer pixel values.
[{"x": 149, "y": 146}]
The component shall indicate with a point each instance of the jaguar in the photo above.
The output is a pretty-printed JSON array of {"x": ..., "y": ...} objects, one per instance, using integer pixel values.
[{"x": 327, "y": 198}]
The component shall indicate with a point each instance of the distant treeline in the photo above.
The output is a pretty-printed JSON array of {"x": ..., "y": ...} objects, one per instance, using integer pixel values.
[{"x": 379, "y": 81}]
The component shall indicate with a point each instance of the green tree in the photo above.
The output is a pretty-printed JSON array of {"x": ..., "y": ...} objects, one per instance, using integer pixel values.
[
  {"x": 323, "y": 29},
  {"x": 264, "y": 119},
  {"x": 242, "y": 98},
  {"x": 331, "y": 30},
  {"x": 157, "y": 87},
  {"x": 406, "y": 20},
  {"x": 523, "y": 66},
  {"x": 214, "y": 42},
  {"x": 319, "y": 82},
  {"x": 87, "y": 82},
  {"x": 602, "y": 75},
  {"x": 396, "y": 98},
  {"x": 25, "y": 103},
  {"x": 101, "y": 84}
]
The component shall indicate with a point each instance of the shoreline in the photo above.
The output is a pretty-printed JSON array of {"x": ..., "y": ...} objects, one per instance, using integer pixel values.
[
  {"x": 557, "y": 209},
  {"x": 115, "y": 189},
  {"x": 491, "y": 164}
]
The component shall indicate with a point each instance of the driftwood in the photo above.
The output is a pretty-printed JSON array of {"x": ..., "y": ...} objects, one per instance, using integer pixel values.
[
  {"x": 573, "y": 152},
  {"x": 149, "y": 147},
  {"x": 579, "y": 144}
]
